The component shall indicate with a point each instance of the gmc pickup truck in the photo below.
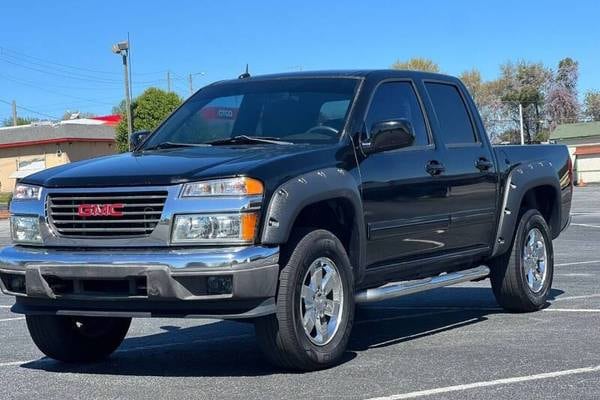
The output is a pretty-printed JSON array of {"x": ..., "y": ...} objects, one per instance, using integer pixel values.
[{"x": 285, "y": 200}]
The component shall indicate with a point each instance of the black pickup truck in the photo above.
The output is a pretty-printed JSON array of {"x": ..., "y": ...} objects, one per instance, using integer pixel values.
[{"x": 285, "y": 200}]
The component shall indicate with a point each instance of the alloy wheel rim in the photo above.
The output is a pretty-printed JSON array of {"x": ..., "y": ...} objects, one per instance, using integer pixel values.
[
  {"x": 321, "y": 301},
  {"x": 534, "y": 260}
]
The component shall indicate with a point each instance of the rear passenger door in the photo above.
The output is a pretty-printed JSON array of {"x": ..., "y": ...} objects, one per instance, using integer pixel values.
[
  {"x": 469, "y": 166},
  {"x": 404, "y": 205}
]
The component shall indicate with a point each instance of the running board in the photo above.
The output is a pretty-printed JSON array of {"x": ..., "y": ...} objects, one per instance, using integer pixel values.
[{"x": 398, "y": 289}]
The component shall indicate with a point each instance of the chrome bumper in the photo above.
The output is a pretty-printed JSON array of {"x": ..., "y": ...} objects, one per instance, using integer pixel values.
[{"x": 168, "y": 274}]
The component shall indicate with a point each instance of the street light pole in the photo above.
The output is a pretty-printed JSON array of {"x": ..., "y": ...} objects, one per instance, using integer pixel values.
[
  {"x": 190, "y": 81},
  {"x": 122, "y": 48}
]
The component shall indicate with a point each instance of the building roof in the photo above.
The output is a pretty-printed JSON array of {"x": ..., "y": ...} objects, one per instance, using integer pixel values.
[
  {"x": 576, "y": 130},
  {"x": 66, "y": 131}
]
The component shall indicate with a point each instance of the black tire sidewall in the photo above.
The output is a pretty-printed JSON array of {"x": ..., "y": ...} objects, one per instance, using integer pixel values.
[
  {"x": 533, "y": 219},
  {"x": 315, "y": 244}
]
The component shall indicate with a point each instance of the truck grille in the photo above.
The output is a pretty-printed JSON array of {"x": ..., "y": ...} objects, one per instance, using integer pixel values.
[{"x": 136, "y": 213}]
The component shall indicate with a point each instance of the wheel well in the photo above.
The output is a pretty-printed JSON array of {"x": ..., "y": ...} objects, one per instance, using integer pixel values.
[
  {"x": 545, "y": 200},
  {"x": 335, "y": 215}
]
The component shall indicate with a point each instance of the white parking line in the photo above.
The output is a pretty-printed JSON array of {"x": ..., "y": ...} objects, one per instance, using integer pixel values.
[
  {"x": 14, "y": 363},
  {"x": 587, "y": 225},
  {"x": 577, "y": 263},
  {"x": 497, "y": 382},
  {"x": 5, "y": 306},
  {"x": 574, "y": 310},
  {"x": 12, "y": 319},
  {"x": 586, "y": 296}
]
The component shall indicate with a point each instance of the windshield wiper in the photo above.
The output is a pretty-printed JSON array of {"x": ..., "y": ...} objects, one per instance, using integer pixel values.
[
  {"x": 172, "y": 145},
  {"x": 245, "y": 139}
]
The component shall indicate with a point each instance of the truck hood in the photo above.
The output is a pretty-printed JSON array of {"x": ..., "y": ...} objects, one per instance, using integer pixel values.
[{"x": 167, "y": 167}]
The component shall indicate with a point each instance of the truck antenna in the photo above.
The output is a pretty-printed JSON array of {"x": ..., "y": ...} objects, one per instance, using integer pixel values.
[{"x": 245, "y": 74}]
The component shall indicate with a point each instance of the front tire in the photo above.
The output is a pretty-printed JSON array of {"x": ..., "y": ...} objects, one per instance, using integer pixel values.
[
  {"x": 77, "y": 339},
  {"x": 315, "y": 305},
  {"x": 522, "y": 278}
]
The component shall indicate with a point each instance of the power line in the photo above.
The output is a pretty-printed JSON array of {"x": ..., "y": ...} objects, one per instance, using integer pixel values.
[
  {"x": 70, "y": 75},
  {"x": 61, "y": 94},
  {"x": 40, "y": 61},
  {"x": 29, "y": 109}
]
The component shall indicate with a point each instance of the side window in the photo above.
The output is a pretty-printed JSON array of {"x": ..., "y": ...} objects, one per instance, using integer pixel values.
[
  {"x": 396, "y": 100},
  {"x": 452, "y": 115}
]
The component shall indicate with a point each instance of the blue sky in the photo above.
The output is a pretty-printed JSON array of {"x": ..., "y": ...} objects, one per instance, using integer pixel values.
[{"x": 56, "y": 55}]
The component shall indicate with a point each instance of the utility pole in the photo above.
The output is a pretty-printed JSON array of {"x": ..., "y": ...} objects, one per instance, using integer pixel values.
[
  {"x": 14, "y": 112},
  {"x": 168, "y": 81},
  {"x": 122, "y": 48},
  {"x": 521, "y": 123}
]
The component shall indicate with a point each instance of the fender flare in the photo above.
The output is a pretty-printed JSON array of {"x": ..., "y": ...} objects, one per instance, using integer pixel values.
[
  {"x": 291, "y": 197},
  {"x": 519, "y": 181}
]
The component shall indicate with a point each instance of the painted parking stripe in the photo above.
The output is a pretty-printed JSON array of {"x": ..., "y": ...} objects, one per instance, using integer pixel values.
[
  {"x": 574, "y": 310},
  {"x": 16, "y": 363},
  {"x": 587, "y": 225},
  {"x": 5, "y": 306},
  {"x": 484, "y": 384},
  {"x": 577, "y": 263},
  {"x": 12, "y": 319},
  {"x": 586, "y": 296}
]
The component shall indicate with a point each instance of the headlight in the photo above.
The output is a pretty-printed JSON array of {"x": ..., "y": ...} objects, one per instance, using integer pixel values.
[
  {"x": 241, "y": 186},
  {"x": 26, "y": 192},
  {"x": 25, "y": 229},
  {"x": 215, "y": 228}
]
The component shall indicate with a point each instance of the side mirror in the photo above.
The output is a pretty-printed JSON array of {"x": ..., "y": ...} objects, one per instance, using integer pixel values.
[
  {"x": 137, "y": 138},
  {"x": 390, "y": 135}
]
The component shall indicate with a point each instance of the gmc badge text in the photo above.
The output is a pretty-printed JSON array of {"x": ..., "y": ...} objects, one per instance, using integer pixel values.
[{"x": 285, "y": 200}]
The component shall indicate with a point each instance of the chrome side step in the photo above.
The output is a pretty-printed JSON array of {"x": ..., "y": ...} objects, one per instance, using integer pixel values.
[{"x": 398, "y": 289}]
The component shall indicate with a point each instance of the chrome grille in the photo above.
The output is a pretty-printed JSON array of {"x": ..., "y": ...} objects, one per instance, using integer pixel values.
[{"x": 140, "y": 211}]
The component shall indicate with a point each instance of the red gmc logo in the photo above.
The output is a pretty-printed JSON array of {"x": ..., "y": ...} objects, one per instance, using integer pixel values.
[{"x": 100, "y": 210}]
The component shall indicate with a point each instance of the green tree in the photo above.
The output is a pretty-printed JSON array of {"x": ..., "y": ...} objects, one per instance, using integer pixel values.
[
  {"x": 525, "y": 83},
  {"x": 417, "y": 64},
  {"x": 486, "y": 96},
  {"x": 20, "y": 121},
  {"x": 148, "y": 110},
  {"x": 592, "y": 105}
]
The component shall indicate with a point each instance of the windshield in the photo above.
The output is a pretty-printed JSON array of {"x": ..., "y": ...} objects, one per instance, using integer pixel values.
[{"x": 307, "y": 110}]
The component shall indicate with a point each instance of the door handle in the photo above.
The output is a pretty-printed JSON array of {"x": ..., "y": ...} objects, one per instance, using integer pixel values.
[
  {"x": 435, "y": 168},
  {"x": 483, "y": 164}
]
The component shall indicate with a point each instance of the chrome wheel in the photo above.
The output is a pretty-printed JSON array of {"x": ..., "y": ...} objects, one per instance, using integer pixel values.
[
  {"x": 321, "y": 301},
  {"x": 534, "y": 260}
]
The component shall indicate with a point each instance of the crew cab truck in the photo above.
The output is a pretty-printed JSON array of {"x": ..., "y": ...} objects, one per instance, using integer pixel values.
[{"x": 285, "y": 200}]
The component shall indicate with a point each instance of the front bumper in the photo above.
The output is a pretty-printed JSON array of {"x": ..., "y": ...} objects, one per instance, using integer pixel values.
[{"x": 143, "y": 282}]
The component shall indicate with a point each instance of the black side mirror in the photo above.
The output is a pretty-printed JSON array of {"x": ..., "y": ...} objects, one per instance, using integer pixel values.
[
  {"x": 137, "y": 138},
  {"x": 390, "y": 135}
]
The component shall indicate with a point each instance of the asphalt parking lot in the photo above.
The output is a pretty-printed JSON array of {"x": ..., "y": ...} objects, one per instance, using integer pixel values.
[{"x": 451, "y": 343}]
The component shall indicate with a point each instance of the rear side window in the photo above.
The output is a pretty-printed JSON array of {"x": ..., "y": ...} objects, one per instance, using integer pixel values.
[
  {"x": 451, "y": 112},
  {"x": 396, "y": 100}
]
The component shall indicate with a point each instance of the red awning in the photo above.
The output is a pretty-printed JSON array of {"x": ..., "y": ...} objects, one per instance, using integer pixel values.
[{"x": 587, "y": 150}]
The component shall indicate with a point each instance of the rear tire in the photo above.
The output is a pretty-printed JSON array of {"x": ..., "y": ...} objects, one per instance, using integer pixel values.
[
  {"x": 77, "y": 339},
  {"x": 315, "y": 310},
  {"x": 522, "y": 278}
]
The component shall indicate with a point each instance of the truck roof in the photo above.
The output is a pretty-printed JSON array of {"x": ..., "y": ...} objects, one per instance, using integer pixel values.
[{"x": 352, "y": 73}]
